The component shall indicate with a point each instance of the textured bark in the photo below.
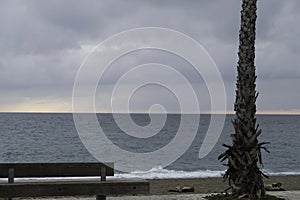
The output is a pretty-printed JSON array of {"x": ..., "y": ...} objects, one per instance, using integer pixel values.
[{"x": 243, "y": 173}]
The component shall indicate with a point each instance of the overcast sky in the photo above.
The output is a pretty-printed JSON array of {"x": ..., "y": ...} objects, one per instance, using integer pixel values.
[{"x": 43, "y": 43}]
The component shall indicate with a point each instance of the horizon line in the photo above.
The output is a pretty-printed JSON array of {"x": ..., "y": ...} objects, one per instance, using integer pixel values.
[{"x": 191, "y": 113}]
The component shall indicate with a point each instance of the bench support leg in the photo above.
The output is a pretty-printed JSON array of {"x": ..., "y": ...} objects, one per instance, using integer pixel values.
[
  {"x": 11, "y": 177},
  {"x": 103, "y": 178},
  {"x": 100, "y": 197}
]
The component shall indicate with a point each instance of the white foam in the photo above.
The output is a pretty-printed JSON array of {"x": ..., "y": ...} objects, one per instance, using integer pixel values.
[
  {"x": 270, "y": 173},
  {"x": 160, "y": 173}
]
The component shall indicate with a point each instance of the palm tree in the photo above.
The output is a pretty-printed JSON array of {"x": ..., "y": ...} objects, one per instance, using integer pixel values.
[{"x": 243, "y": 173}]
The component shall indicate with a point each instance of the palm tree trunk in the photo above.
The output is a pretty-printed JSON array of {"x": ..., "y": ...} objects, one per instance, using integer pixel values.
[{"x": 243, "y": 173}]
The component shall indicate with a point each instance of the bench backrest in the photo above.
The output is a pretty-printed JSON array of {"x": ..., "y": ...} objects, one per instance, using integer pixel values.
[{"x": 22, "y": 170}]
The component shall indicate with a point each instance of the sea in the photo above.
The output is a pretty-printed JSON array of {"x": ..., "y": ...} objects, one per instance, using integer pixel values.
[{"x": 52, "y": 137}]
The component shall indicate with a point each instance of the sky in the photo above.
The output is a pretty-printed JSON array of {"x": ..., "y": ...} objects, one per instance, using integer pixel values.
[{"x": 43, "y": 43}]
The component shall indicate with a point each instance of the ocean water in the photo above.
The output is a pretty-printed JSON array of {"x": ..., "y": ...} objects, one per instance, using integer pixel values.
[{"x": 43, "y": 137}]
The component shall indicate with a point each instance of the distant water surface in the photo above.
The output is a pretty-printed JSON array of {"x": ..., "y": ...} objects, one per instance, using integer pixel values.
[{"x": 43, "y": 137}]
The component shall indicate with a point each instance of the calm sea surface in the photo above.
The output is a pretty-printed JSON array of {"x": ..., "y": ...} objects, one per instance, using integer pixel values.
[{"x": 33, "y": 137}]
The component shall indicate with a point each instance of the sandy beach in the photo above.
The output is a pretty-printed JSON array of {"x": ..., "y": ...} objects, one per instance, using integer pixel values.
[
  {"x": 213, "y": 185},
  {"x": 159, "y": 189}
]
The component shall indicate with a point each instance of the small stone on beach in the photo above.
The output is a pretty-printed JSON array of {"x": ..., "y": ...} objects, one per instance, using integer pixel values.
[
  {"x": 274, "y": 187},
  {"x": 183, "y": 189}
]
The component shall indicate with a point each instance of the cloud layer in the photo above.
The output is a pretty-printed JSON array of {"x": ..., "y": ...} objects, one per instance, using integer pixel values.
[{"x": 42, "y": 44}]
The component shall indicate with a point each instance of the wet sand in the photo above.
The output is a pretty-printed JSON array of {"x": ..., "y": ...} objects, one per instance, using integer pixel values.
[{"x": 215, "y": 185}]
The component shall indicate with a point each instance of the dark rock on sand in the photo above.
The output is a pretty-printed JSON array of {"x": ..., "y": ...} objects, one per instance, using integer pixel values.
[
  {"x": 274, "y": 187},
  {"x": 183, "y": 189}
]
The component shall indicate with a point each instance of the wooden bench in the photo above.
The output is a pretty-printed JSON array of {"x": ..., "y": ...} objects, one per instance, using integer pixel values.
[{"x": 60, "y": 187}]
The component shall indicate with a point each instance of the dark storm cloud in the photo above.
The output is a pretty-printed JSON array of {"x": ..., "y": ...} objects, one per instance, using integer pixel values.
[
  {"x": 278, "y": 41},
  {"x": 42, "y": 43}
]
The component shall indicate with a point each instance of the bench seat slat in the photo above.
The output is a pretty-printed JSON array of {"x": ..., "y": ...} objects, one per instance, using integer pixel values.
[
  {"x": 40, "y": 189},
  {"x": 23, "y": 170}
]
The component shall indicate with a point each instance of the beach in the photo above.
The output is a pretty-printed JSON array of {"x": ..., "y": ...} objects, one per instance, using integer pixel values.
[
  {"x": 215, "y": 185},
  {"x": 159, "y": 189}
]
